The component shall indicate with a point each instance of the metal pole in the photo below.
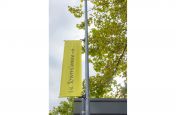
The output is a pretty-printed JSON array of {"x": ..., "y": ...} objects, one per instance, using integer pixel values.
[{"x": 86, "y": 61}]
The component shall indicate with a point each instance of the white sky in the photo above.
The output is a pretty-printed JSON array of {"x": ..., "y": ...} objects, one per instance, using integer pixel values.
[{"x": 62, "y": 26}]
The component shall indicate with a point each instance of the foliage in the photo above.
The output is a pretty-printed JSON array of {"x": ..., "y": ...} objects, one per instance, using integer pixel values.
[
  {"x": 107, "y": 44},
  {"x": 107, "y": 48},
  {"x": 65, "y": 108}
]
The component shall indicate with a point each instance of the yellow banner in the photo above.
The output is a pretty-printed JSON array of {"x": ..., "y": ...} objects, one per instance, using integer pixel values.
[{"x": 71, "y": 81}]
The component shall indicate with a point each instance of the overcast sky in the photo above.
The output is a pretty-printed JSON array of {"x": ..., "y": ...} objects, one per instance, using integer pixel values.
[{"x": 62, "y": 26}]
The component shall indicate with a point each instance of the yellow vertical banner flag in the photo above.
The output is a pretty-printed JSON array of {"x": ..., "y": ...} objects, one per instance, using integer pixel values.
[{"x": 71, "y": 80}]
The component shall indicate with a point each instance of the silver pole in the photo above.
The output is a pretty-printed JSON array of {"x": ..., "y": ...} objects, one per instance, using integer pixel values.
[{"x": 86, "y": 61}]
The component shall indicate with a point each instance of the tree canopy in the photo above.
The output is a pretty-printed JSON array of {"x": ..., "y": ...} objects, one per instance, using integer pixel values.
[{"x": 107, "y": 20}]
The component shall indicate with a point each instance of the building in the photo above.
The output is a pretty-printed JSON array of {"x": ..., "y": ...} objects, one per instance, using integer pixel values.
[{"x": 103, "y": 106}]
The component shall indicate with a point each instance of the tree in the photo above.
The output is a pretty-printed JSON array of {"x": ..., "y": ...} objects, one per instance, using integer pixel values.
[
  {"x": 65, "y": 108},
  {"x": 107, "y": 46},
  {"x": 107, "y": 39}
]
